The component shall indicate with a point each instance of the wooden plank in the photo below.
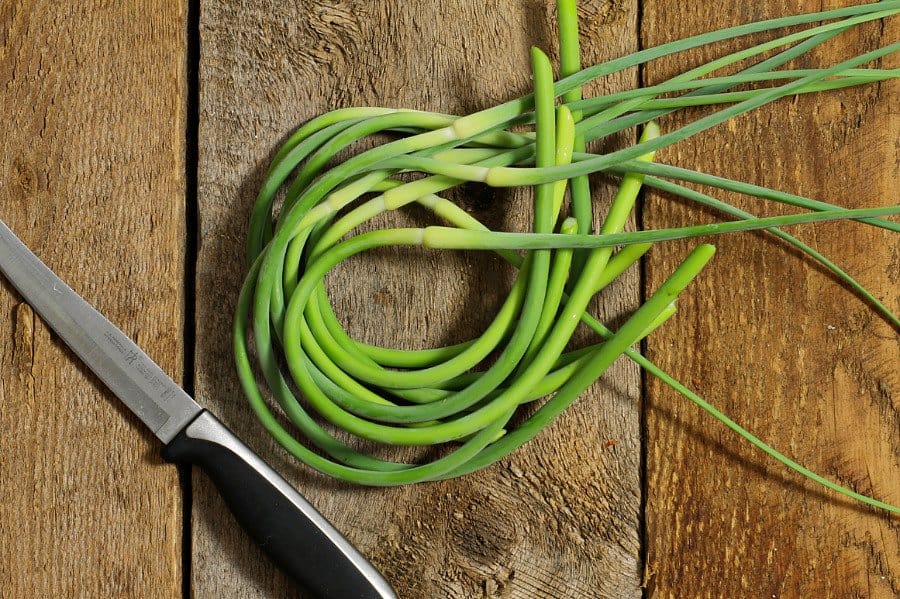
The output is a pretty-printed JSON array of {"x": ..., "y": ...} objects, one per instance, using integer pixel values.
[
  {"x": 560, "y": 517},
  {"x": 92, "y": 125},
  {"x": 779, "y": 345}
]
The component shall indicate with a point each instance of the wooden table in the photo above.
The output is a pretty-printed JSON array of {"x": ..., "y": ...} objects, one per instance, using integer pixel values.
[{"x": 131, "y": 173}]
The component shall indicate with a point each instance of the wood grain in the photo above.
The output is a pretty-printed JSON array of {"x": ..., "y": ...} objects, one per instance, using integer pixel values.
[
  {"x": 776, "y": 343},
  {"x": 557, "y": 519},
  {"x": 93, "y": 180}
]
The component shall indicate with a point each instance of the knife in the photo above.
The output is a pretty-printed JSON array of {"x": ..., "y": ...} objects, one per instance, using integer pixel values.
[{"x": 297, "y": 537}]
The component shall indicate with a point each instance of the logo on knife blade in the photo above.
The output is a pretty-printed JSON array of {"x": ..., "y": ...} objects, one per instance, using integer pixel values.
[{"x": 135, "y": 359}]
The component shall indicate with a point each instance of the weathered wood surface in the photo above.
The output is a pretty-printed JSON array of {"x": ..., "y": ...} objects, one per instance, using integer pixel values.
[
  {"x": 779, "y": 345},
  {"x": 93, "y": 180},
  {"x": 557, "y": 519},
  {"x": 93, "y": 128}
]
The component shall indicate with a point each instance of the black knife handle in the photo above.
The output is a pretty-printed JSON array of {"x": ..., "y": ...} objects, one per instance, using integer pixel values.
[{"x": 297, "y": 538}]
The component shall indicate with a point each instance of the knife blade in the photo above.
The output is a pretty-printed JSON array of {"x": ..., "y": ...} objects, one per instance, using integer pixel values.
[{"x": 280, "y": 520}]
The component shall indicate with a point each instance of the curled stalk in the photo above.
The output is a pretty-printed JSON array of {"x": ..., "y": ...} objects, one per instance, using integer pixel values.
[{"x": 463, "y": 396}]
